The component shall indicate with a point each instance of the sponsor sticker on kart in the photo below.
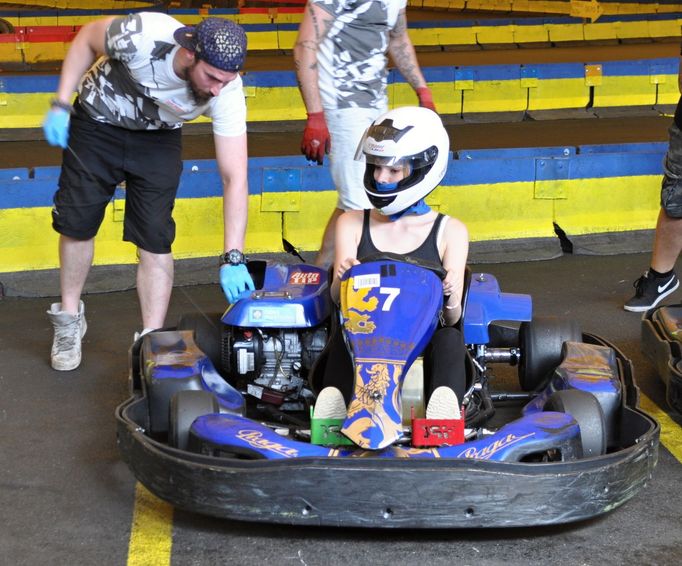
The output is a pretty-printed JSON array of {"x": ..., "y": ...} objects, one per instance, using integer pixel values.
[
  {"x": 255, "y": 390},
  {"x": 304, "y": 278},
  {"x": 287, "y": 314},
  {"x": 366, "y": 280}
]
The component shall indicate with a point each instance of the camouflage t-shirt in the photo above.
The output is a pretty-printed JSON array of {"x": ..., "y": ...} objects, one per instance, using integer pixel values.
[
  {"x": 135, "y": 86},
  {"x": 352, "y": 58}
]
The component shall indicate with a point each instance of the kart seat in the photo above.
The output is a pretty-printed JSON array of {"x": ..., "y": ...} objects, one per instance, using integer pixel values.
[{"x": 335, "y": 339}]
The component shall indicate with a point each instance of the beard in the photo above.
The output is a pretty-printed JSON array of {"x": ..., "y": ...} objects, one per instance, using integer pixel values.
[{"x": 200, "y": 98}]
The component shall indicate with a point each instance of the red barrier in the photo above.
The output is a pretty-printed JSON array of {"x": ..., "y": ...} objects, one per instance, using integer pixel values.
[
  {"x": 274, "y": 11},
  {"x": 40, "y": 34},
  {"x": 301, "y": 2}
]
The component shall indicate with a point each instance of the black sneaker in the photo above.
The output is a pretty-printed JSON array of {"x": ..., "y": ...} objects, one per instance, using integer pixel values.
[{"x": 650, "y": 290}]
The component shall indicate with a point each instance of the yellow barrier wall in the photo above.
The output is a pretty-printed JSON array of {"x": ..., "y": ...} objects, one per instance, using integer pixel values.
[
  {"x": 491, "y": 211},
  {"x": 612, "y": 204},
  {"x": 432, "y": 36},
  {"x": 553, "y": 94}
]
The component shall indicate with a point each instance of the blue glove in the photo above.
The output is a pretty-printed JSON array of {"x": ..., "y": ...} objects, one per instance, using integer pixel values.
[
  {"x": 56, "y": 127},
  {"x": 235, "y": 279}
]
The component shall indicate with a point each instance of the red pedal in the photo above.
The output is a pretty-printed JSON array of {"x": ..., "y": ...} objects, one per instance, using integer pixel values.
[{"x": 437, "y": 432}]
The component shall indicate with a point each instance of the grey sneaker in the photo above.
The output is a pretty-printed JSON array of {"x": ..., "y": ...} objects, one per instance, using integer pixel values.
[
  {"x": 443, "y": 404},
  {"x": 330, "y": 404},
  {"x": 69, "y": 329},
  {"x": 650, "y": 290}
]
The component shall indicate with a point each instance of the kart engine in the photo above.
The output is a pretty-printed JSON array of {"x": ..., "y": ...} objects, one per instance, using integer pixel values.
[{"x": 273, "y": 364}]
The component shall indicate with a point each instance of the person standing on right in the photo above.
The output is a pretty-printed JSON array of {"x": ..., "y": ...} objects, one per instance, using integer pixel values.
[
  {"x": 660, "y": 279},
  {"x": 341, "y": 66}
]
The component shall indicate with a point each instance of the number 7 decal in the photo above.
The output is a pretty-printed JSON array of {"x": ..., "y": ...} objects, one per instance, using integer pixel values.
[{"x": 392, "y": 293}]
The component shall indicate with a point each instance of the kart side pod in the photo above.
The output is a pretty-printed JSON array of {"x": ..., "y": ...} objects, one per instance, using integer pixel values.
[{"x": 172, "y": 362}]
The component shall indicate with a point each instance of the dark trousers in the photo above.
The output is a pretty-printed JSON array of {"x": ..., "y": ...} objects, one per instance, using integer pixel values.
[
  {"x": 99, "y": 157},
  {"x": 444, "y": 364}
]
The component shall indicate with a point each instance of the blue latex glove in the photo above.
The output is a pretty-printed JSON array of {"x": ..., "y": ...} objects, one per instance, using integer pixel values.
[
  {"x": 56, "y": 127},
  {"x": 235, "y": 279}
]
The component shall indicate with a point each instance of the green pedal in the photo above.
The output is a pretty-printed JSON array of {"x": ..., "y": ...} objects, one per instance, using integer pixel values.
[{"x": 327, "y": 432}]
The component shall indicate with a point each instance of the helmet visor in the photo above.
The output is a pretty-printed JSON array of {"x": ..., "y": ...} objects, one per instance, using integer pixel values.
[{"x": 407, "y": 162}]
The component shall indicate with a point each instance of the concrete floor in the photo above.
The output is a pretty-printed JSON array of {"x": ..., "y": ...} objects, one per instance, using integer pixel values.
[{"x": 66, "y": 497}]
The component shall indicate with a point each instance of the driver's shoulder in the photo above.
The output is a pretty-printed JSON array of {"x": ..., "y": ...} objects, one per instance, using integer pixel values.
[
  {"x": 351, "y": 217},
  {"x": 454, "y": 226}
]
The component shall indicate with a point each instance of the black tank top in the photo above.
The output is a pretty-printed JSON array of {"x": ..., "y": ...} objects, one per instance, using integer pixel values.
[{"x": 428, "y": 250}]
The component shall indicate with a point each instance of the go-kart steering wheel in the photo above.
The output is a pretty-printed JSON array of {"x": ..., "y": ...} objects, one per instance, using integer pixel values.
[{"x": 390, "y": 256}]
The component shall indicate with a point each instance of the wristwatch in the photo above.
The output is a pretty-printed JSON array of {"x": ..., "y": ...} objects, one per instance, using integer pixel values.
[{"x": 233, "y": 257}]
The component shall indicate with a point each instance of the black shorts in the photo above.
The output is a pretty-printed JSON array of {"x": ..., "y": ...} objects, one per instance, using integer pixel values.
[
  {"x": 671, "y": 189},
  {"x": 99, "y": 158}
]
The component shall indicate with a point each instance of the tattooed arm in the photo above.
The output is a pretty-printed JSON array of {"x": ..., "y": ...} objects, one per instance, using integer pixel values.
[
  {"x": 314, "y": 27},
  {"x": 402, "y": 53}
]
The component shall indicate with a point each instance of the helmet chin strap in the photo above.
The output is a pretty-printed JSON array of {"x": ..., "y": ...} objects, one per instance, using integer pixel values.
[{"x": 418, "y": 208}]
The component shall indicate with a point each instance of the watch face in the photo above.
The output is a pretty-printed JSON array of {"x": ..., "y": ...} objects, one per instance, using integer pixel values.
[{"x": 235, "y": 257}]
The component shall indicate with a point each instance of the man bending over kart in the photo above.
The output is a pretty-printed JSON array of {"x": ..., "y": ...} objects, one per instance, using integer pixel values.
[
  {"x": 406, "y": 152},
  {"x": 139, "y": 78}
]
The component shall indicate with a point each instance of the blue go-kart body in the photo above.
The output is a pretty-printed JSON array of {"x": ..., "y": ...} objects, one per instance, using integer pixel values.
[{"x": 217, "y": 422}]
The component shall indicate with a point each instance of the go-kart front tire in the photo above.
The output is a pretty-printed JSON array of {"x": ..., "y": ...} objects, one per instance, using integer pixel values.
[
  {"x": 185, "y": 408},
  {"x": 540, "y": 341},
  {"x": 586, "y": 410}
]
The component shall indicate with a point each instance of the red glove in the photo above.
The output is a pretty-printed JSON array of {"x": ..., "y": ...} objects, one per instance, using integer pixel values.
[
  {"x": 316, "y": 141},
  {"x": 425, "y": 98}
]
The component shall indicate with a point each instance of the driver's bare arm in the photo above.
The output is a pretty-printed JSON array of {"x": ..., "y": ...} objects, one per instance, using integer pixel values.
[
  {"x": 348, "y": 232},
  {"x": 456, "y": 250},
  {"x": 345, "y": 265}
]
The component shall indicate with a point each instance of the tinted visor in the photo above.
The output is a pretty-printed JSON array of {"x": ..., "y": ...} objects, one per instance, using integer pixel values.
[{"x": 407, "y": 162}]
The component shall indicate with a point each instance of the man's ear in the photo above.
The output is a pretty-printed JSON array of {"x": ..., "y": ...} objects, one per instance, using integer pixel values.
[
  {"x": 187, "y": 55},
  {"x": 184, "y": 59}
]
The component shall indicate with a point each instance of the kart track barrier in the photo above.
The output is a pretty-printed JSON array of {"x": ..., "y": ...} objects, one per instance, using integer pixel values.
[
  {"x": 464, "y": 91},
  {"x": 580, "y": 8},
  {"x": 510, "y": 195},
  {"x": 37, "y": 37}
]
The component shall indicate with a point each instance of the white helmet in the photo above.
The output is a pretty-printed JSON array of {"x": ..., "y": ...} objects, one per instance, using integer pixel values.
[{"x": 413, "y": 137}]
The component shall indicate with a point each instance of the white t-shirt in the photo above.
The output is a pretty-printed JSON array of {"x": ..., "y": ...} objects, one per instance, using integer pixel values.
[
  {"x": 352, "y": 58},
  {"x": 135, "y": 87}
]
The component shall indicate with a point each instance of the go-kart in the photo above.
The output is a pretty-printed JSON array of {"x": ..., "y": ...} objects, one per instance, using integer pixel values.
[
  {"x": 221, "y": 419},
  {"x": 662, "y": 344}
]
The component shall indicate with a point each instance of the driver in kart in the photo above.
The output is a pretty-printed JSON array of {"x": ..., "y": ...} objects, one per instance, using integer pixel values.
[{"x": 406, "y": 151}]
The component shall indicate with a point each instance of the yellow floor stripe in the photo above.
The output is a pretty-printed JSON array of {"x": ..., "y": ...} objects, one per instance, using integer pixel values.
[
  {"x": 671, "y": 432},
  {"x": 151, "y": 533}
]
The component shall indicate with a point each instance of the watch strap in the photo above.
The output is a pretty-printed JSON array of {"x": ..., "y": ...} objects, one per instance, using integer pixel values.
[{"x": 232, "y": 257}]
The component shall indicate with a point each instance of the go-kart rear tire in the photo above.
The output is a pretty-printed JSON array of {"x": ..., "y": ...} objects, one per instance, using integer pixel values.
[
  {"x": 185, "y": 407},
  {"x": 207, "y": 328},
  {"x": 540, "y": 341},
  {"x": 586, "y": 410}
]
